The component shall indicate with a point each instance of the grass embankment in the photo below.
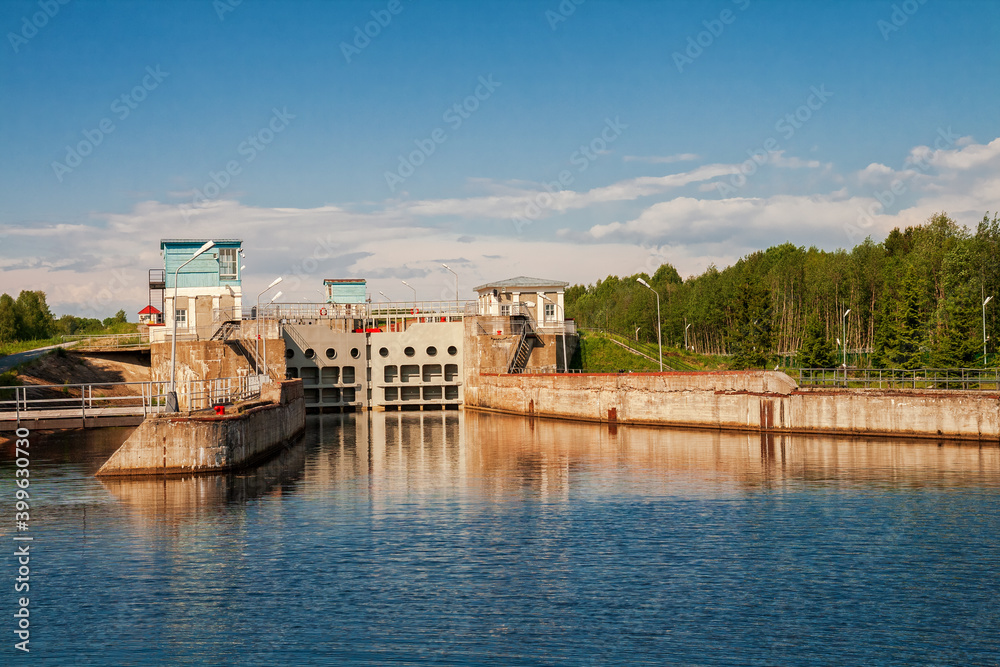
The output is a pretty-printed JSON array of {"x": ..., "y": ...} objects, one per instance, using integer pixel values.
[
  {"x": 25, "y": 345},
  {"x": 598, "y": 354}
]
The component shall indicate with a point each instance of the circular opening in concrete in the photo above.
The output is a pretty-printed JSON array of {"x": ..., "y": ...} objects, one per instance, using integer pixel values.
[
  {"x": 432, "y": 351},
  {"x": 452, "y": 350},
  {"x": 310, "y": 353},
  {"x": 289, "y": 353},
  {"x": 355, "y": 353},
  {"x": 384, "y": 351},
  {"x": 331, "y": 353},
  {"x": 409, "y": 352}
]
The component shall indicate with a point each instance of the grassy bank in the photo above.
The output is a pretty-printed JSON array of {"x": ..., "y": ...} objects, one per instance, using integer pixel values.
[
  {"x": 599, "y": 354},
  {"x": 25, "y": 345}
]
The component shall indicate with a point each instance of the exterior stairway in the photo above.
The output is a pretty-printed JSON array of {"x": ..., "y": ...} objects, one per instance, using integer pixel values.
[
  {"x": 524, "y": 324},
  {"x": 228, "y": 333}
]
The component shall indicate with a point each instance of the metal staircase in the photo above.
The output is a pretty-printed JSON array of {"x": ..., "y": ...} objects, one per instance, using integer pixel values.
[
  {"x": 523, "y": 324},
  {"x": 227, "y": 333}
]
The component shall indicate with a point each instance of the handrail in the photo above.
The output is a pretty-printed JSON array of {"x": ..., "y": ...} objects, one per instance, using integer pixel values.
[
  {"x": 984, "y": 379},
  {"x": 121, "y": 341},
  {"x": 145, "y": 397}
]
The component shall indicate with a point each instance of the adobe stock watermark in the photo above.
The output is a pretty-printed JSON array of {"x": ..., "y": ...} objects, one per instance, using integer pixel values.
[
  {"x": 454, "y": 116},
  {"x": 787, "y": 126},
  {"x": 248, "y": 149},
  {"x": 31, "y": 25},
  {"x": 223, "y": 7},
  {"x": 22, "y": 537},
  {"x": 323, "y": 249},
  {"x": 897, "y": 188},
  {"x": 100, "y": 301},
  {"x": 696, "y": 44},
  {"x": 363, "y": 35},
  {"x": 122, "y": 107},
  {"x": 899, "y": 16},
  {"x": 582, "y": 158},
  {"x": 562, "y": 12}
]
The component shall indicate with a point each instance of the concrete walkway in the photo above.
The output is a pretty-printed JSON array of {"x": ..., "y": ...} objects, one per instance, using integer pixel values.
[{"x": 11, "y": 360}]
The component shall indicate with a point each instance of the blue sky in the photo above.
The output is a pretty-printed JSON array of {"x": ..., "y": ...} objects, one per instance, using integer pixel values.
[{"x": 862, "y": 116}]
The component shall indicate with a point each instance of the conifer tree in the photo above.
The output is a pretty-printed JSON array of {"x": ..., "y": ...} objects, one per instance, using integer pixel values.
[{"x": 817, "y": 350}]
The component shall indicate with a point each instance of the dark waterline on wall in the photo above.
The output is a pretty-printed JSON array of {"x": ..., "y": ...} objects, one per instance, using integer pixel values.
[{"x": 465, "y": 538}]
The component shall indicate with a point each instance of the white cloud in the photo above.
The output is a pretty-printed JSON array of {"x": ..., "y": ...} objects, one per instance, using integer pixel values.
[
  {"x": 666, "y": 159},
  {"x": 96, "y": 267}
]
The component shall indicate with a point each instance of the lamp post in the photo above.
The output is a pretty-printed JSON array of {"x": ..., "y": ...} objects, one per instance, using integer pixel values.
[
  {"x": 984, "y": 329},
  {"x": 659, "y": 340},
  {"x": 686, "y": 327},
  {"x": 637, "y": 334},
  {"x": 412, "y": 288},
  {"x": 456, "y": 280},
  {"x": 257, "y": 319},
  {"x": 844, "y": 330},
  {"x": 562, "y": 330},
  {"x": 172, "y": 405}
]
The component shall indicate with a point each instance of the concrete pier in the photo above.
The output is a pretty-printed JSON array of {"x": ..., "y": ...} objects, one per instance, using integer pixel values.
[
  {"x": 174, "y": 444},
  {"x": 740, "y": 400}
]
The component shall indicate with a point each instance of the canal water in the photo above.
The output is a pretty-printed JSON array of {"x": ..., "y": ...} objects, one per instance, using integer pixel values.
[{"x": 468, "y": 538}]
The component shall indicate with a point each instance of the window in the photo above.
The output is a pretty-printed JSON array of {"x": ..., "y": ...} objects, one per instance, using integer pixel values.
[
  {"x": 182, "y": 317},
  {"x": 227, "y": 263},
  {"x": 550, "y": 311},
  {"x": 505, "y": 311}
]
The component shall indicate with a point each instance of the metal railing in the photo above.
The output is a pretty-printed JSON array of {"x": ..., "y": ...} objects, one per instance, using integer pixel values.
[
  {"x": 122, "y": 398},
  {"x": 137, "y": 340},
  {"x": 970, "y": 379},
  {"x": 534, "y": 370}
]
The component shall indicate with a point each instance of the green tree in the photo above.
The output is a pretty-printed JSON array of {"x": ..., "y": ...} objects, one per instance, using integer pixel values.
[
  {"x": 10, "y": 325},
  {"x": 909, "y": 327},
  {"x": 817, "y": 350},
  {"x": 885, "y": 348},
  {"x": 750, "y": 338},
  {"x": 36, "y": 321},
  {"x": 958, "y": 342}
]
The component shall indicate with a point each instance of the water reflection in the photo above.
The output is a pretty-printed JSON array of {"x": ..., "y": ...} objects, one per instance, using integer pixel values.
[
  {"x": 160, "y": 499},
  {"x": 496, "y": 455},
  {"x": 473, "y": 538}
]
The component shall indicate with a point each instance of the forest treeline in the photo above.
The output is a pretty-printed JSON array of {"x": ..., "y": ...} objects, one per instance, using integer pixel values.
[
  {"x": 28, "y": 318},
  {"x": 915, "y": 301}
]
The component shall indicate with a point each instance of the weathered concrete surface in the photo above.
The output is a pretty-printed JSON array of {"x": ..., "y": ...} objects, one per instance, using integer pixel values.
[
  {"x": 175, "y": 444},
  {"x": 740, "y": 400},
  {"x": 207, "y": 359}
]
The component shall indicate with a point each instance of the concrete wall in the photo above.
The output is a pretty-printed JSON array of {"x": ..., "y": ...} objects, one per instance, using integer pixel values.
[
  {"x": 210, "y": 359},
  {"x": 487, "y": 350},
  {"x": 420, "y": 366},
  {"x": 333, "y": 364},
  {"x": 174, "y": 444},
  {"x": 751, "y": 400},
  {"x": 423, "y": 365}
]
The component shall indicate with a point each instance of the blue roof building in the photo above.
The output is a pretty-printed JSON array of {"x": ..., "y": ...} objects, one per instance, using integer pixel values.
[{"x": 208, "y": 289}]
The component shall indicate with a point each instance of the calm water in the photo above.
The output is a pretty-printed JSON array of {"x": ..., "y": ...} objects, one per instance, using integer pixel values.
[{"x": 454, "y": 538}]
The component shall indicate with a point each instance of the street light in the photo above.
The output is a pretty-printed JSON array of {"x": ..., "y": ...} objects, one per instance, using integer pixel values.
[
  {"x": 637, "y": 334},
  {"x": 384, "y": 296},
  {"x": 659, "y": 340},
  {"x": 984, "y": 329},
  {"x": 257, "y": 319},
  {"x": 845, "y": 342},
  {"x": 686, "y": 327},
  {"x": 456, "y": 280},
  {"x": 412, "y": 288},
  {"x": 172, "y": 405},
  {"x": 563, "y": 330}
]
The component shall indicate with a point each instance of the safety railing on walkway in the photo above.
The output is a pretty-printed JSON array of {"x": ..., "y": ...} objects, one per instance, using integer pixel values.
[
  {"x": 122, "y": 398},
  {"x": 970, "y": 379},
  {"x": 130, "y": 341}
]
